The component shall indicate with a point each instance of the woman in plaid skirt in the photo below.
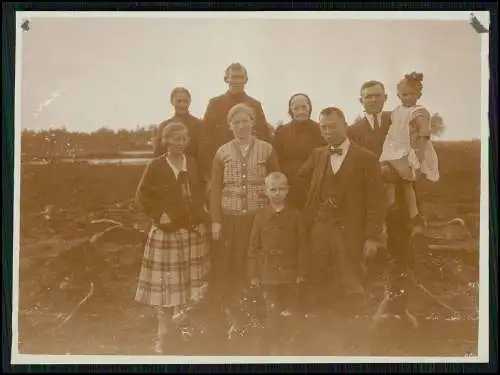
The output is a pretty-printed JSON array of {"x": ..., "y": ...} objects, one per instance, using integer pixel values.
[
  {"x": 237, "y": 194},
  {"x": 176, "y": 259}
]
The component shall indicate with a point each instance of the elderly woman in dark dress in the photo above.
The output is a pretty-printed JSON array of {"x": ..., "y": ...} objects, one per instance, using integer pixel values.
[
  {"x": 239, "y": 169},
  {"x": 295, "y": 141},
  {"x": 176, "y": 262}
]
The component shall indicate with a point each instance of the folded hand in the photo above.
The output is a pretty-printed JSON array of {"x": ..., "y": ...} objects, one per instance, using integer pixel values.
[{"x": 370, "y": 249}]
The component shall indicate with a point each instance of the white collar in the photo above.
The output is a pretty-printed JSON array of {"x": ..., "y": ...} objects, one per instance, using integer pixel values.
[
  {"x": 175, "y": 169},
  {"x": 371, "y": 118},
  {"x": 344, "y": 145}
]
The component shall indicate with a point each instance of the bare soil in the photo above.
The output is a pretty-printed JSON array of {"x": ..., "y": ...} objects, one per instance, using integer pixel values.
[{"x": 58, "y": 264}]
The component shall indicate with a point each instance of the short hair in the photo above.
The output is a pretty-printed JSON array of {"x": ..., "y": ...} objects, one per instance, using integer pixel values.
[
  {"x": 369, "y": 84},
  {"x": 332, "y": 111},
  {"x": 275, "y": 176},
  {"x": 240, "y": 108},
  {"x": 179, "y": 90},
  {"x": 308, "y": 99},
  {"x": 172, "y": 127},
  {"x": 235, "y": 67}
]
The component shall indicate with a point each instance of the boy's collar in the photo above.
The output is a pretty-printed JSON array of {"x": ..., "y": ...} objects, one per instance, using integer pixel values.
[{"x": 272, "y": 211}]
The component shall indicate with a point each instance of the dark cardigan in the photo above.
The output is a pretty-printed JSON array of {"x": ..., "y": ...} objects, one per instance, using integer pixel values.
[{"x": 159, "y": 192}]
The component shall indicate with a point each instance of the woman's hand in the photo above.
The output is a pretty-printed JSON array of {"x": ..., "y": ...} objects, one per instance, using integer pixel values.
[
  {"x": 216, "y": 231},
  {"x": 370, "y": 249}
]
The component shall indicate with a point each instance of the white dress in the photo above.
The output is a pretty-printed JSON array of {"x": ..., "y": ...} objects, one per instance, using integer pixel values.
[{"x": 397, "y": 145}]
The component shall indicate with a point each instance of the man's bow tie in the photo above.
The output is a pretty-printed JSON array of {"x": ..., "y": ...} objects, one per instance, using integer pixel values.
[{"x": 335, "y": 150}]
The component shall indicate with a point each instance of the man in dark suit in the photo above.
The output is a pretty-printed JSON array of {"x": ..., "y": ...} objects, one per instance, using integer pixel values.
[
  {"x": 215, "y": 131},
  {"x": 341, "y": 185},
  {"x": 370, "y": 132}
]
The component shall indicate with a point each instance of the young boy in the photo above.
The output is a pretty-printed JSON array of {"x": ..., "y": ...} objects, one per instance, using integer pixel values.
[{"x": 277, "y": 254}]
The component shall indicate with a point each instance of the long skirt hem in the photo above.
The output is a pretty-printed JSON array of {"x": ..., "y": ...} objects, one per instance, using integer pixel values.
[{"x": 174, "y": 269}]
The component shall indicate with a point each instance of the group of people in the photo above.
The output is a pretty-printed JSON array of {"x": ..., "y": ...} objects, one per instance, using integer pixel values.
[{"x": 235, "y": 206}]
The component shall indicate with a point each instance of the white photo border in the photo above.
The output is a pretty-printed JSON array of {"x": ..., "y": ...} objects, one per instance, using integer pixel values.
[{"x": 483, "y": 337}]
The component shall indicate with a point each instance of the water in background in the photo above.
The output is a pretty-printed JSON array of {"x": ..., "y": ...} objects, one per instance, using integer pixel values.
[{"x": 140, "y": 157}]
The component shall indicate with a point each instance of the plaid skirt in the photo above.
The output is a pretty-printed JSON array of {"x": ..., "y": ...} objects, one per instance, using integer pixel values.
[{"x": 175, "y": 268}]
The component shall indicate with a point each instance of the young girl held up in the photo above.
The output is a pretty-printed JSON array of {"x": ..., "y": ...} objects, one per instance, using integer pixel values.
[{"x": 408, "y": 153}]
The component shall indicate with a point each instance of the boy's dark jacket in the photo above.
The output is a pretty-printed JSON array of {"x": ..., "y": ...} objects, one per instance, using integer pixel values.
[{"x": 278, "y": 246}]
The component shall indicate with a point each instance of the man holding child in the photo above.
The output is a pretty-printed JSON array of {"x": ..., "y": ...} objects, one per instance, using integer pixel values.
[{"x": 370, "y": 132}]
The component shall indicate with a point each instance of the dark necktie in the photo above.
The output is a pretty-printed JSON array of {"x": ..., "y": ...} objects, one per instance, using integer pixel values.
[
  {"x": 376, "y": 124},
  {"x": 335, "y": 150}
]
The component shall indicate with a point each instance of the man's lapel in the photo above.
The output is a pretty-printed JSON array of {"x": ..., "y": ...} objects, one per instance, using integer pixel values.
[
  {"x": 322, "y": 161},
  {"x": 366, "y": 125},
  {"x": 385, "y": 121}
]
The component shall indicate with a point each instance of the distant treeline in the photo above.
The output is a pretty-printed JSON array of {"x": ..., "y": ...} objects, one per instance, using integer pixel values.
[
  {"x": 104, "y": 142},
  {"x": 56, "y": 143}
]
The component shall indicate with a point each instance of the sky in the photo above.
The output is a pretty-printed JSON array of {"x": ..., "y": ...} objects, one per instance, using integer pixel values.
[{"x": 87, "y": 73}]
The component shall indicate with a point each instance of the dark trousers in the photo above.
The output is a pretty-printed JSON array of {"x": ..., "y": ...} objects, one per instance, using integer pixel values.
[
  {"x": 333, "y": 278},
  {"x": 399, "y": 251}
]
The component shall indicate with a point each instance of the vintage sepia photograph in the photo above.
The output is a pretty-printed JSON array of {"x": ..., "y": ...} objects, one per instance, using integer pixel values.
[{"x": 268, "y": 185}]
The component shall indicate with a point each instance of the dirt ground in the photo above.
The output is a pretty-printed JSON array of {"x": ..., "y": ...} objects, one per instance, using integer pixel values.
[{"x": 58, "y": 265}]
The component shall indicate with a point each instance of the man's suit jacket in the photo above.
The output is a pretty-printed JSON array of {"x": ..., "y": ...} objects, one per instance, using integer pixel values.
[
  {"x": 362, "y": 192},
  {"x": 362, "y": 133}
]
